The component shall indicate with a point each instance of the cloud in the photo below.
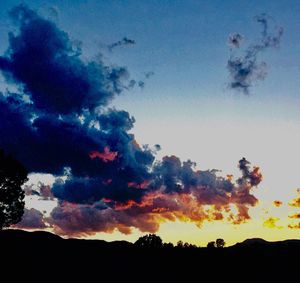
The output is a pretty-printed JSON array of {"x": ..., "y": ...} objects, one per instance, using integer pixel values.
[
  {"x": 29, "y": 191},
  {"x": 149, "y": 74},
  {"x": 51, "y": 71},
  {"x": 295, "y": 216},
  {"x": 124, "y": 42},
  {"x": 141, "y": 83},
  {"x": 295, "y": 202},
  {"x": 272, "y": 223},
  {"x": 59, "y": 123},
  {"x": 294, "y": 226},
  {"x": 277, "y": 203},
  {"x": 32, "y": 219},
  {"x": 106, "y": 156},
  {"x": 235, "y": 40},
  {"x": 176, "y": 192},
  {"x": 246, "y": 69},
  {"x": 44, "y": 192}
]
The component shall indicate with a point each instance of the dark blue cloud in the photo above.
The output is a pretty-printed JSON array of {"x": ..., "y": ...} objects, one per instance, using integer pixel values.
[
  {"x": 181, "y": 177},
  {"x": 125, "y": 41},
  {"x": 235, "y": 40},
  {"x": 58, "y": 123},
  {"x": 92, "y": 190},
  {"x": 47, "y": 63},
  {"x": 47, "y": 144},
  {"x": 246, "y": 69}
]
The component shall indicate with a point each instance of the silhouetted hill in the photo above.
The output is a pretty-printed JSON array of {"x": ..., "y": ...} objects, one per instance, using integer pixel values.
[
  {"x": 31, "y": 240},
  {"x": 257, "y": 243},
  {"x": 45, "y": 255},
  {"x": 21, "y": 235}
]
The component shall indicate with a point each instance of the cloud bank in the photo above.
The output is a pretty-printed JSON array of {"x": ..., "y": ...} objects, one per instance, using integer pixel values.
[{"x": 59, "y": 122}]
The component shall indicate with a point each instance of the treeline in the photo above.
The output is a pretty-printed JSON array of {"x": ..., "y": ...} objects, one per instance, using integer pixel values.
[{"x": 154, "y": 241}]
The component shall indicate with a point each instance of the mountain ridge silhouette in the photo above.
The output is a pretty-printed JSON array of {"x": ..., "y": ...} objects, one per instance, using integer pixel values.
[
  {"x": 39, "y": 254},
  {"x": 23, "y": 235}
]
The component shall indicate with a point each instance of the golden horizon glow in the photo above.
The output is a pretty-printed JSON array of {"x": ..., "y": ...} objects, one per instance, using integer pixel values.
[{"x": 269, "y": 222}]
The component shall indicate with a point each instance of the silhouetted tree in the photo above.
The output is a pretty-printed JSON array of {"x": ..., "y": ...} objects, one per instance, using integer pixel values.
[
  {"x": 211, "y": 245},
  {"x": 168, "y": 245},
  {"x": 149, "y": 241},
  {"x": 179, "y": 244},
  {"x": 220, "y": 243},
  {"x": 191, "y": 246},
  {"x": 12, "y": 176}
]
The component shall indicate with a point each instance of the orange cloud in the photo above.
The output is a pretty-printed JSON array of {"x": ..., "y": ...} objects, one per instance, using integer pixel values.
[
  {"x": 277, "y": 203},
  {"x": 229, "y": 177},
  {"x": 142, "y": 185},
  {"x": 295, "y": 202},
  {"x": 105, "y": 156},
  {"x": 294, "y": 226},
  {"x": 177, "y": 193},
  {"x": 295, "y": 216}
]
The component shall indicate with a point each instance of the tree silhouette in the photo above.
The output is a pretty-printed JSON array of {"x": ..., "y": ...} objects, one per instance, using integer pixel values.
[
  {"x": 149, "y": 241},
  {"x": 12, "y": 176},
  {"x": 168, "y": 245},
  {"x": 211, "y": 245},
  {"x": 220, "y": 243}
]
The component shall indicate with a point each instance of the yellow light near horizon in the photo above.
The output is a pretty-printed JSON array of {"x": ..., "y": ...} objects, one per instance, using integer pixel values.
[{"x": 210, "y": 231}]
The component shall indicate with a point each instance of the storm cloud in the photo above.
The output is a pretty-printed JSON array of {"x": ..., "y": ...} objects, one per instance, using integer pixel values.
[
  {"x": 46, "y": 62},
  {"x": 176, "y": 192},
  {"x": 59, "y": 122}
]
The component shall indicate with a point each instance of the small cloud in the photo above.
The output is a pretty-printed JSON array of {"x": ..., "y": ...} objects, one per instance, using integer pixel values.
[
  {"x": 294, "y": 226},
  {"x": 295, "y": 202},
  {"x": 235, "y": 40},
  {"x": 295, "y": 216},
  {"x": 272, "y": 223},
  {"x": 277, "y": 203},
  {"x": 246, "y": 69},
  {"x": 141, "y": 84},
  {"x": 149, "y": 74},
  {"x": 124, "y": 42}
]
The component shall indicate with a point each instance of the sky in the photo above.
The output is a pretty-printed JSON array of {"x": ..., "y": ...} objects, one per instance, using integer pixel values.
[{"x": 208, "y": 81}]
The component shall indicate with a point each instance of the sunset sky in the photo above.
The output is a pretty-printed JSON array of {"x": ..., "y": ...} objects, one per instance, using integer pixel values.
[{"x": 212, "y": 82}]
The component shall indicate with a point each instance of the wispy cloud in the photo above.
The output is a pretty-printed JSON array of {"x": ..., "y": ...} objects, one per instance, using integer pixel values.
[{"x": 246, "y": 69}]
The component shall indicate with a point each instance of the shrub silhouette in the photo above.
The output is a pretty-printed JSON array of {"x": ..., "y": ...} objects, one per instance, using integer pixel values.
[
  {"x": 12, "y": 176},
  {"x": 168, "y": 245},
  {"x": 220, "y": 243},
  {"x": 211, "y": 245},
  {"x": 149, "y": 241}
]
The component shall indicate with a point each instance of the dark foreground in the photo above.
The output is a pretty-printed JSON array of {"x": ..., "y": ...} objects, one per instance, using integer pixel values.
[{"x": 41, "y": 256}]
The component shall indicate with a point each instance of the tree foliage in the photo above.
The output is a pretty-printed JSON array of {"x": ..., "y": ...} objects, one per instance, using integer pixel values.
[
  {"x": 149, "y": 241},
  {"x": 220, "y": 243},
  {"x": 211, "y": 244},
  {"x": 12, "y": 176}
]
